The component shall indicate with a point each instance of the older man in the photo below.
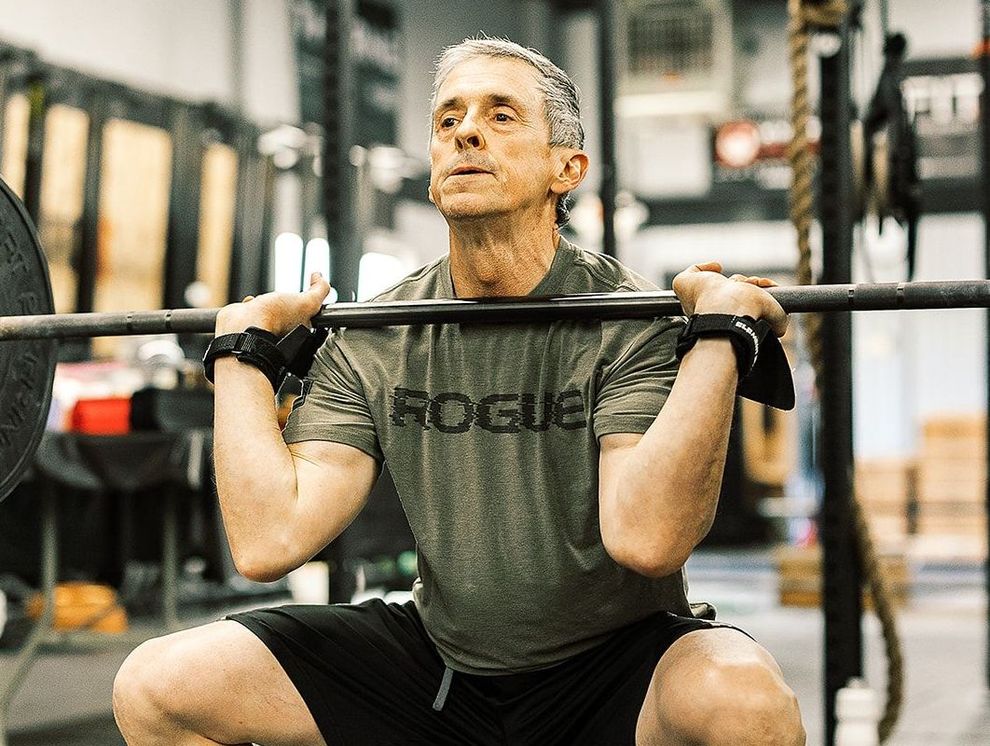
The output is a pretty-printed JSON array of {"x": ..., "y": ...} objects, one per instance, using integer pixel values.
[{"x": 556, "y": 476}]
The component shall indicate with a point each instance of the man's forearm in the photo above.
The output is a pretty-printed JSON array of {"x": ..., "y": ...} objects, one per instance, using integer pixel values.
[
  {"x": 256, "y": 481},
  {"x": 666, "y": 497}
]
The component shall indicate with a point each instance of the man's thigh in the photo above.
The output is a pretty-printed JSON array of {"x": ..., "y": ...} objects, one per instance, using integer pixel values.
[
  {"x": 370, "y": 674},
  {"x": 221, "y": 682},
  {"x": 595, "y": 698}
]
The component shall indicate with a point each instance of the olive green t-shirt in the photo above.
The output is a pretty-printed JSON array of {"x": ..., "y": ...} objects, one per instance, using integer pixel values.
[{"x": 491, "y": 434}]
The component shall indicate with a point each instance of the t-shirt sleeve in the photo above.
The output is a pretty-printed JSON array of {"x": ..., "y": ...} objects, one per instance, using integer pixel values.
[
  {"x": 333, "y": 405},
  {"x": 634, "y": 386}
]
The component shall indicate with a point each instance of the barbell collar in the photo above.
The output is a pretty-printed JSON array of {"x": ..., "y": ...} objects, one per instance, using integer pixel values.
[{"x": 891, "y": 296}]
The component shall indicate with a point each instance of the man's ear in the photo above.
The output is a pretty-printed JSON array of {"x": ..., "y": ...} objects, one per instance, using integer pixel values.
[{"x": 573, "y": 167}]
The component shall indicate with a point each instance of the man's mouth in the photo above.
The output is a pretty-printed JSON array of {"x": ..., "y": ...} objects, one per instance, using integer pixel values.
[{"x": 467, "y": 171}]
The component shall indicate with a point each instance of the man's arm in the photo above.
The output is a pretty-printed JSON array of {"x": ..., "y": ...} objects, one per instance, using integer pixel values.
[
  {"x": 658, "y": 491},
  {"x": 280, "y": 504}
]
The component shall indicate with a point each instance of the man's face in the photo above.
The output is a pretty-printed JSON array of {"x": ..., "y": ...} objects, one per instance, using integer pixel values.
[{"x": 489, "y": 150}]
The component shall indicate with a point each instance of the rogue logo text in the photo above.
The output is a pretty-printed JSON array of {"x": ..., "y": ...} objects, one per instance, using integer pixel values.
[{"x": 452, "y": 412}]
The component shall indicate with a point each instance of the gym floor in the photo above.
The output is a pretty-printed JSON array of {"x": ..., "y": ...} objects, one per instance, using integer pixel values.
[{"x": 66, "y": 698}]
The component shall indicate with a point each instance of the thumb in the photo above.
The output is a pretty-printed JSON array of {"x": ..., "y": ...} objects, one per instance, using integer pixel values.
[
  {"x": 317, "y": 282},
  {"x": 318, "y": 288}
]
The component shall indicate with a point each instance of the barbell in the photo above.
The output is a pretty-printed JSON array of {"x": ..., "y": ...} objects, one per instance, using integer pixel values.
[{"x": 30, "y": 330}]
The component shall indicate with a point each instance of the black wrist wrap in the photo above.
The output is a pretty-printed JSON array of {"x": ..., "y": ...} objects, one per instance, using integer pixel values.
[
  {"x": 253, "y": 346},
  {"x": 764, "y": 373},
  {"x": 745, "y": 333},
  {"x": 274, "y": 357}
]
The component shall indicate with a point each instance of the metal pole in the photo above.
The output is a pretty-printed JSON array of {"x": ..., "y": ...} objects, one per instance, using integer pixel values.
[
  {"x": 87, "y": 259},
  {"x": 338, "y": 189},
  {"x": 13, "y": 677},
  {"x": 182, "y": 236},
  {"x": 7, "y": 62},
  {"x": 985, "y": 139},
  {"x": 606, "y": 104},
  {"x": 889, "y": 296},
  {"x": 338, "y": 136},
  {"x": 235, "y": 13},
  {"x": 841, "y": 587},
  {"x": 38, "y": 103}
]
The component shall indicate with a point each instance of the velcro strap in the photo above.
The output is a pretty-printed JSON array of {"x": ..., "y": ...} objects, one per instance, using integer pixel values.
[{"x": 764, "y": 373}]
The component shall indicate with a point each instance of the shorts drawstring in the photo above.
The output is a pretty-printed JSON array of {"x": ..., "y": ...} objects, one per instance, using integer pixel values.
[{"x": 448, "y": 675}]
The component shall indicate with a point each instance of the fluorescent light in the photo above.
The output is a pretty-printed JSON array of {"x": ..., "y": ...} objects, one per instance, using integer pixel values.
[
  {"x": 378, "y": 272},
  {"x": 288, "y": 262},
  {"x": 318, "y": 260}
]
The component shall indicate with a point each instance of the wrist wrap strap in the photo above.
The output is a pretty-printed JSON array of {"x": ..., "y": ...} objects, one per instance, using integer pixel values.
[
  {"x": 764, "y": 373},
  {"x": 253, "y": 346},
  {"x": 745, "y": 333}
]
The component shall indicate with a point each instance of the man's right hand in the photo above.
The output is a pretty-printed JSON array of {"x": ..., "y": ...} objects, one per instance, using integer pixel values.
[{"x": 279, "y": 313}]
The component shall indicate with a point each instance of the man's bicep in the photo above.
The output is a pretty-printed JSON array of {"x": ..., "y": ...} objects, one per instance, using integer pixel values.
[{"x": 333, "y": 481}]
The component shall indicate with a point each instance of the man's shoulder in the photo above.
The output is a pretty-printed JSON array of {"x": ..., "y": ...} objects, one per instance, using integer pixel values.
[
  {"x": 598, "y": 273},
  {"x": 422, "y": 283}
]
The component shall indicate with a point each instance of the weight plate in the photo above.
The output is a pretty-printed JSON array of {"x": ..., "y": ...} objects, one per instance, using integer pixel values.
[{"x": 27, "y": 368}]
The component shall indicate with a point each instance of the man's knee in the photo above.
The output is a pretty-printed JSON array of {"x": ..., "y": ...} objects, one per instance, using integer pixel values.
[
  {"x": 141, "y": 692},
  {"x": 757, "y": 707},
  {"x": 737, "y": 703}
]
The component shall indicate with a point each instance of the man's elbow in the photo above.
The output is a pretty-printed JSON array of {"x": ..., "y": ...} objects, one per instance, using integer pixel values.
[
  {"x": 259, "y": 566},
  {"x": 655, "y": 559}
]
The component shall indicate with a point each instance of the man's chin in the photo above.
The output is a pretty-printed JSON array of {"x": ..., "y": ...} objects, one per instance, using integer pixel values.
[{"x": 468, "y": 209}]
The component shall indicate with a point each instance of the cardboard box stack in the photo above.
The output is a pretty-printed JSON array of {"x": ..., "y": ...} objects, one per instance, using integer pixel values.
[
  {"x": 884, "y": 487},
  {"x": 800, "y": 576},
  {"x": 951, "y": 519}
]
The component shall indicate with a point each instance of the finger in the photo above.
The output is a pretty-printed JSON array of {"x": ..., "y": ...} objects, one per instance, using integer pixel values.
[
  {"x": 706, "y": 267},
  {"x": 763, "y": 282},
  {"x": 247, "y": 298},
  {"x": 779, "y": 325},
  {"x": 778, "y": 318}
]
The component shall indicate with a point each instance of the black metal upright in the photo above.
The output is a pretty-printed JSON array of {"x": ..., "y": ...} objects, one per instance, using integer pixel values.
[
  {"x": 252, "y": 216},
  {"x": 182, "y": 238},
  {"x": 985, "y": 139},
  {"x": 38, "y": 110},
  {"x": 606, "y": 105},
  {"x": 338, "y": 136},
  {"x": 8, "y": 60},
  {"x": 841, "y": 591},
  {"x": 87, "y": 259},
  {"x": 338, "y": 203}
]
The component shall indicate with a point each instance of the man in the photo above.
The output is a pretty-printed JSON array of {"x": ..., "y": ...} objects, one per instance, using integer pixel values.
[{"x": 555, "y": 475}]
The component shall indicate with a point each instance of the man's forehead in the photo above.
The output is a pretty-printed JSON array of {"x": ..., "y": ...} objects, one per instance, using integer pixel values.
[{"x": 490, "y": 77}]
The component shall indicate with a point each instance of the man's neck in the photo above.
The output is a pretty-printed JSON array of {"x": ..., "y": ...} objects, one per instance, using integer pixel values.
[{"x": 489, "y": 258}]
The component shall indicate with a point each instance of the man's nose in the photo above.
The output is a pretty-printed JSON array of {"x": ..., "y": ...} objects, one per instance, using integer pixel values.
[{"x": 468, "y": 133}]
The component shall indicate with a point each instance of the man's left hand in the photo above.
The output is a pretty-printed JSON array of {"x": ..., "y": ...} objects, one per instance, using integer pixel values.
[{"x": 702, "y": 288}]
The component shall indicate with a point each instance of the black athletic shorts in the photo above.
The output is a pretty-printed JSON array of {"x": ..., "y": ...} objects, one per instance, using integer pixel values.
[{"x": 370, "y": 675}]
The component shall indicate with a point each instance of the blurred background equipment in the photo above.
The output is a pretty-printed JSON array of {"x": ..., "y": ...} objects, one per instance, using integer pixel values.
[{"x": 190, "y": 153}]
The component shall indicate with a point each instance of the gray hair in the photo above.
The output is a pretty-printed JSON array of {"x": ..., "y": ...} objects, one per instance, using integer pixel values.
[{"x": 561, "y": 99}]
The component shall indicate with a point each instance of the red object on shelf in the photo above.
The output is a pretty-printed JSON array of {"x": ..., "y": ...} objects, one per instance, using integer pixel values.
[{"x": 110, "y": 416}]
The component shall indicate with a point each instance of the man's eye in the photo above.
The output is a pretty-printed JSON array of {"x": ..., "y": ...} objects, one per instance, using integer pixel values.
[
  {"x": 502, "y": 117},
  {"x": 447, "y": 122}
]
